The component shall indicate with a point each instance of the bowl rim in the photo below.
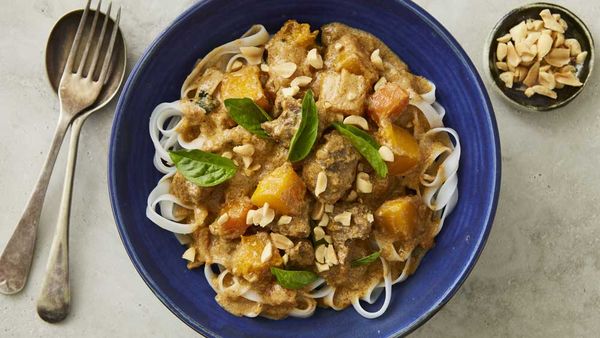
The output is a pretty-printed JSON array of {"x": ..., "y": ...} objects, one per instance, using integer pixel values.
[
  {"x": 452, "y": 286},
  {"x": 490, "y": 40}
]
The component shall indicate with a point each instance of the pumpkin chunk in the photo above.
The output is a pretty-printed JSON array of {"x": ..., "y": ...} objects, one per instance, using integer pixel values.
[
  {"x": 245, "y": 83},
  {"x": 387, "y": 103},
  {"x": 235, "y": 222},
  {"x": 283, "y": 189},
  {"x": 403, "y": 145},
  {"x": 398, "y": 218},
  {"x": 246, "y": 260}
]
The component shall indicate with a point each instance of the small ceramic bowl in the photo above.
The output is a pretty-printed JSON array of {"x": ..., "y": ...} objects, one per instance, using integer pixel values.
[{"x": 576, "y": 29}]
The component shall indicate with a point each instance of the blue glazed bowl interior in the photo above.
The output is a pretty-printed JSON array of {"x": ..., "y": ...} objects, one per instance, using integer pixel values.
[{"x": 420, "y": 41}]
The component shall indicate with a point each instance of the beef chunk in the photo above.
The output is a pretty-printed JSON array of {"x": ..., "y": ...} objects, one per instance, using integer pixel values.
[
  {"x": 299, "y": 227},
  {"x": 350, "y": 242},
  {"x": 302, "y": 255},
  {"x": 343, "y": 273},
  {"x": 360, "y": 226},
  {"x": 186, "y": 191},
  {"x": 343, "y": 92},
  {"x": 283, "y": 128},
  {"x": 338, "y": 159},
  {"x": 383, "y": 188}
]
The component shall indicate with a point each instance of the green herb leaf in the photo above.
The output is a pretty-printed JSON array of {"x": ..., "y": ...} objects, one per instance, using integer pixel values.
[
  {"x": 306, "y": 135},
  {"x": 248, "y": 114},
  {"x": 366, "y": 146},
  {"x": 293, "y": 279},
  {"x": 206, "y": 102},
  {"x": 202, "y": 168},
  {"x": 366, "y": 260}
]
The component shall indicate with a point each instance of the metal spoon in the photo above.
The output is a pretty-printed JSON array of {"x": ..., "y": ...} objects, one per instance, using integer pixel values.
[
  {"x": 54, "y": 300},
  {"x": 16, "y": 259}
]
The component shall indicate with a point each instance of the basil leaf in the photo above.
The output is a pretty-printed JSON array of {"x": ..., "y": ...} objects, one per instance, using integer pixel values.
[
  {"x": 366, "y": 260},
  {"x": 248, "y": 114},
  {"x": 202, "y": 168},
  {"x": 306, "y": 135},
  {"x": 293, "y": 279},
  {"x": 206, "y": 102},
  {"x": 366, "y": 146}
]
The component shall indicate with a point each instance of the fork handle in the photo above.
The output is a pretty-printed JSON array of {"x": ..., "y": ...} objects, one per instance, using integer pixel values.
[
  {"x": 54, "y": 301},
  {"x": 15, "y": 261}
]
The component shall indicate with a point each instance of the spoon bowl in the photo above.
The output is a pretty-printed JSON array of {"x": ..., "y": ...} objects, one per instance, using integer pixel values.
[{"x": 59, "y": 45}]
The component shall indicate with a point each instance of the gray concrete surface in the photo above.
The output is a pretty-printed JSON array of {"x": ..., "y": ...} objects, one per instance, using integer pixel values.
[{"x": 539, "y": 275}]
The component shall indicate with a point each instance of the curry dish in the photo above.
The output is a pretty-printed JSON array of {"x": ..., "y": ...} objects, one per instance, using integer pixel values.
[{"x": 307, "y": 168}]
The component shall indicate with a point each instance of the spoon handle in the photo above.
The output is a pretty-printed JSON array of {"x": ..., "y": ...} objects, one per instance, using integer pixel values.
[
  {"x": 18, "y": 254},
  {"x": 54, "y": 301}
]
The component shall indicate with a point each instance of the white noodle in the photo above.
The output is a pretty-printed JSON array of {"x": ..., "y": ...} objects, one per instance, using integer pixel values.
[
  {"x": 251, "y": 295},
  {"x": 429, "y": 97},
  {"x": 161, "y": 194},
  {"x": 210, "y": 276},
  {"x": 164, "y": 139},
  {"x": 387, "y": 276},
  {"x": 196, "y": 143},
  {"x": 322, "y": 292},
  {"x": 318, "y": 289},
  {"x": 404, "y": 273},
  {"x": 445, "y": 180},
  {"x": 306, "y": 312},
  {"x": 328, "y": 299},
  {"x": 234, "y": 290},
  {"x": 372, "y": 294}
]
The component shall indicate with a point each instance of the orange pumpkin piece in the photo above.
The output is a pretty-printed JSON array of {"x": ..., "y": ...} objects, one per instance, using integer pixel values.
[
  {"x": 283, "y": 189},
  {"x": 387, "y": 103},
  {"x": 404, "y": 146},
  {"x": 235, "y": 225},
  {"x": 399, "y": 218},
  {"x": 298, "y": 34},
  {"x": 246, "y": 259},
  {"x": 349, "y": 61},
  {"x": 245, "y": 83}
]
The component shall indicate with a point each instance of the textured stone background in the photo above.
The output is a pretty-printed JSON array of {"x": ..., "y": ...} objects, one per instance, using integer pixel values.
[{"x": 539, "y": 275}]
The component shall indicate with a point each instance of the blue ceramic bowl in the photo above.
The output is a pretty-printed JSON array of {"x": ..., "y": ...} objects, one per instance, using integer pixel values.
[{"x": 420, "y": 41}]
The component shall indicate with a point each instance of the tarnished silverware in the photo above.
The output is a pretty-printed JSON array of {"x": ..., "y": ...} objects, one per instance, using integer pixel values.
[
  {"x": 54, "y": 301},
  {"x": 77, "y": 91}
]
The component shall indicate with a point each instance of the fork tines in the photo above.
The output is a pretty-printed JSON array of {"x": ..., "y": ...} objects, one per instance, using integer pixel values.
[{"x": 93, "y": 39}]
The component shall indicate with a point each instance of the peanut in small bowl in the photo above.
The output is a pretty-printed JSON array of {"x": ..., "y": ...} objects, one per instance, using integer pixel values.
[{"x": 539, "y": 56}]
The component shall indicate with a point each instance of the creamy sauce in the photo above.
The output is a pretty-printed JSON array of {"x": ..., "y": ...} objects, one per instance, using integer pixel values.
[{"x": 347, "y": 81}]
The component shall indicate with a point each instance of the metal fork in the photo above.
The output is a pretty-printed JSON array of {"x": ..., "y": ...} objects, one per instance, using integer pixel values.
[{"x": 76, "y": 92}]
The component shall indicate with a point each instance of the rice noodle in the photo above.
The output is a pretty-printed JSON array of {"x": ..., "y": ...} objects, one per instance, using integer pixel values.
[
  {"x": 323, "y": 292},
  {"x": 387, "y": 286},
  {"x": 252, "y": 296},
  {"x": 405, "y": 270},
  {"x": 306, "y": 312},
  {"x": 160, "y": 195},
  {"x": 445, "y": 181},
  {"x": 210, "y": 276},
  {"x": 196, "y": 143},
  {"x": 164, "y": 139},
  {"x": 328, "y": 299}
]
